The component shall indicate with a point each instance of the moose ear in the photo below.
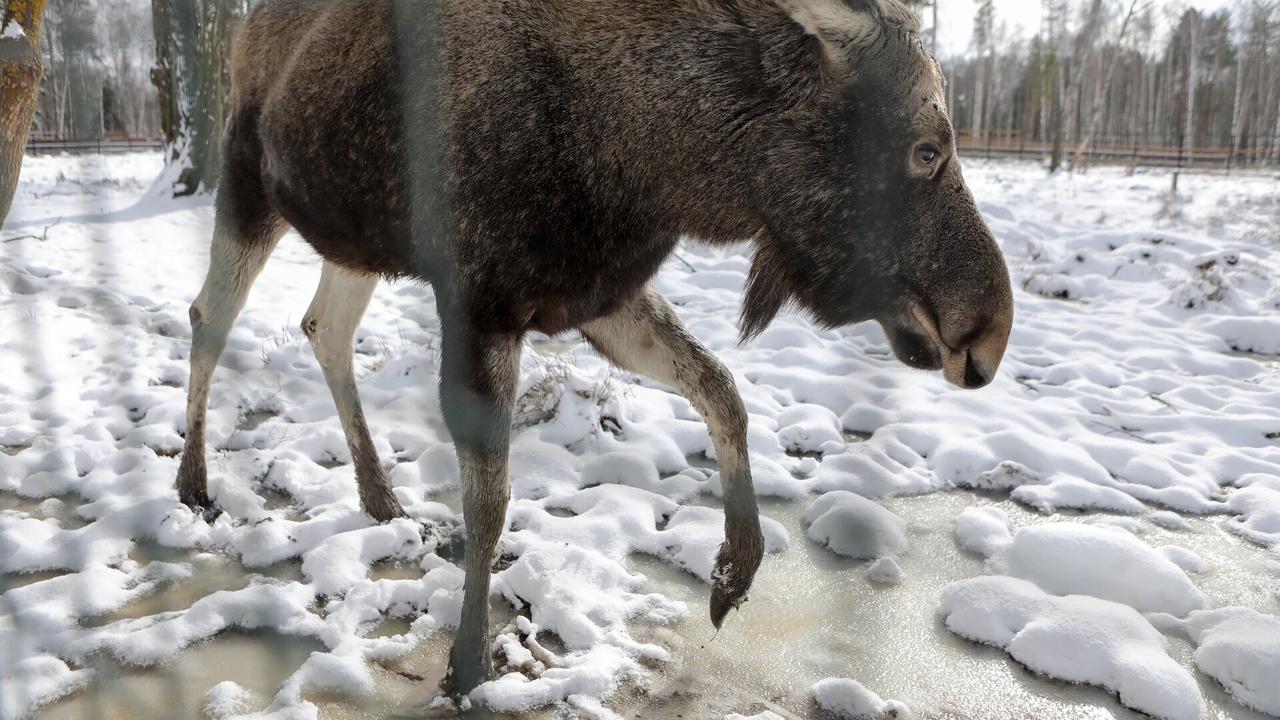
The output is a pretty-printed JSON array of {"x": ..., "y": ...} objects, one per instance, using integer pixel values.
[{"x": 839, "y": 25}]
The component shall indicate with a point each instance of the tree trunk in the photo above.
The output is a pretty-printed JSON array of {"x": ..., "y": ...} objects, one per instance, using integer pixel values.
[
  {"x": 193, "y": 47},
  {"x": 1193, "y": 70},
  {"x": 933, "y": 35},
  {"x": 1055, "y": 158},
  {"x": 1275, "y": 133},
  {"x": 1101, "y": 91},
  {"x": 20, "y": 72}
]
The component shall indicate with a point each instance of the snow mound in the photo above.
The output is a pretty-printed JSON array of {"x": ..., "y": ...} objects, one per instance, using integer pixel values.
[
  {"x": 849, "y": 700},
  {"x": 1238, "y": 647},
  {"x": 226, "y": 699},
  {"x": 885, "y": 571},
  {"x": 1077, "y": 559},
  {"x": 1072, "y": 493},
  {"x": 855, "y": 527},
  {"x": 984, "y": 530},
  {"x": 1169, "y": 521},
  {"x": 36, "y": 681},
  {"x": 1077, "y": 639},
  {"x": 1259, "y": 509}
]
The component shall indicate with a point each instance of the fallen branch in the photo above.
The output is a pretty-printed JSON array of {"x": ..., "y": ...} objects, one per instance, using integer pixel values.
[{"x": 42, "y": 237}]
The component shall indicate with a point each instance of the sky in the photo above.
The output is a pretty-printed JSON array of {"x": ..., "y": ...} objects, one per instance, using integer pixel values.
[{"x": 956, "y": 18}]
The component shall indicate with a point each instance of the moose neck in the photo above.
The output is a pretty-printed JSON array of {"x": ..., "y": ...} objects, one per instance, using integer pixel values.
[{"x": 673, "y": 108}]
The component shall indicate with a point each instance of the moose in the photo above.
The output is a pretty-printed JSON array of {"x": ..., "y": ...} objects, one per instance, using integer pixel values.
[{"x": 537, "y": 161}]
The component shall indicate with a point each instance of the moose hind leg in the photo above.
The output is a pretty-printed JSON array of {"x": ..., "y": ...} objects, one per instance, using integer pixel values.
[
  {"x": 477, "y": 389},
  {"x": 236, "y": 258},
  {"x": 330, "y": 324},
  {"x": 648, "y": 337}
]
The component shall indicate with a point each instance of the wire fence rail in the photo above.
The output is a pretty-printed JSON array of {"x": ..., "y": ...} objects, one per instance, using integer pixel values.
[
  {"x": 39, "y": 144},
  {"x": 994, "y": 146},
  {"x": 1008, "y": 144}
]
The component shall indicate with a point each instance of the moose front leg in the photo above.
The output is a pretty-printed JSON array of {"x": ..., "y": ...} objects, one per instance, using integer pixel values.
[
  {"x": 648, "y": 337},
  {"x": 477, "y": 388}
]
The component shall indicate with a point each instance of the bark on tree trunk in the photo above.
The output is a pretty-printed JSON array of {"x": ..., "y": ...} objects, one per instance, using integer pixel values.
[
  {"x": 20, "y": 72},
  {"x": 1055, "y": 158},
  {"x": 1189, "y": 136},
  {"x": 193, "y": 43},
  {"x": 1101, "y": 91}
]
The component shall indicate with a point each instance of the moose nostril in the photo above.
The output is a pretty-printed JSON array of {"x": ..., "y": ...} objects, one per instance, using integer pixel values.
[{"x": 973, "y": 377}]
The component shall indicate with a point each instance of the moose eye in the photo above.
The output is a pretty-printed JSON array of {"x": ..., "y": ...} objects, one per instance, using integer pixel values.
[{"x": 928, "y": 154}]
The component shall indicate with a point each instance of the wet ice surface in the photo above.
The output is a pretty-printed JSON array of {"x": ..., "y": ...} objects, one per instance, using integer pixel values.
[
  {"x": 813, "y": 615},
  {"x": 1141, "y": 393}
]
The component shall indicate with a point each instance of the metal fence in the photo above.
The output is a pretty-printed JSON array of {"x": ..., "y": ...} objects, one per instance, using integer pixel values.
[
  {"x": 994, "y": 145},
  {"x": 39, "y": 144},
  {"x": 1009, "y": 144}
]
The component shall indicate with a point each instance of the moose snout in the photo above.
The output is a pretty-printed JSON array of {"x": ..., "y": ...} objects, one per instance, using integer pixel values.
[{"x": 970, "y": 348}]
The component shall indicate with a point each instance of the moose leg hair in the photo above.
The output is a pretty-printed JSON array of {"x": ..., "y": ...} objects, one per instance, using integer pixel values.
[
  {"x": 330, "y": 324},
  {"x": 478, "y": 377},
  {"x": 235, "y": 260},
  {"x": 648, "y": 337}
]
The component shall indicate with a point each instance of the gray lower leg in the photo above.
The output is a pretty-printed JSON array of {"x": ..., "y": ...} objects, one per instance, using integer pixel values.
[
  {"x": 478, "y": 379},
  {"x": 485, "y": 496},
  {"x": 330, "y": 324},
  {"x": 648, "y": 337},
  {"x": 233, "y": 265}
]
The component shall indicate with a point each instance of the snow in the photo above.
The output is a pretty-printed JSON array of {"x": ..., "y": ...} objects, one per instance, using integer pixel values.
[
  {"x": 226, "y": 699},
  {"x": 849, "y": 700},
  {"x": 12, "y": 31},
  {"x": 1077, "y": 559},
  {"x": 1141, "y": 382},
  {"x": 1258, "y": 509},
  {"x": 984, "y": 530},
  {"x": 1240, "y": 648},
  {"x": 1075, "y": 638},
  {"x": 856, "y": 527},
  {"x": 1169, "y": 520}
]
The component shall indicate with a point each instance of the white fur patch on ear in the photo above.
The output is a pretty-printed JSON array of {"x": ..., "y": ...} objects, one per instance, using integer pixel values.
[{"x": 832, "y": 21}]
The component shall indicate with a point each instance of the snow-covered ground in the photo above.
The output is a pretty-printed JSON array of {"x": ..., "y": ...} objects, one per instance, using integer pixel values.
[{"x": 1106, "y": 515}]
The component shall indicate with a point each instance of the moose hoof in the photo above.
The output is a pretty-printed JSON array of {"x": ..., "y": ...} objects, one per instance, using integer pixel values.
[
  {"x": 724, "y": 599},
  {"x": 439, "y": 705},
  {"x": 736, "y": 566},
  {"x": 197, "y": 500},
  {"x": 383, "y": 506}
]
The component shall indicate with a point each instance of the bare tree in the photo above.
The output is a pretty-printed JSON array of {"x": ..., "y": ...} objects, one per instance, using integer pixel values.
[
  {"x": 193, "y": 47},
  {"x": 128, "y": 53},
  {"x": 983, "y": 44},
  {"x": 1120, "y": 78},
  {"x": 1193, "y": 74},
  {"x": 1103, "y": 89},
  {"x": 20, "y": 71}
]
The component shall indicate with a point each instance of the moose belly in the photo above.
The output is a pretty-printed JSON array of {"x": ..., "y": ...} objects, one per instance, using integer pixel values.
[
  {"x": 525, "y": 287},
  {"x": 349, "y": 223}
]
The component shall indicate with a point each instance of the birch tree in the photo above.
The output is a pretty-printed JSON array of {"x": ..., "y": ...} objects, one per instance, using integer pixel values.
[
  {"x": 1193, "y": 76},
  {"x": 1103, "y": 89},
  {"x": 983, "y": 43}
]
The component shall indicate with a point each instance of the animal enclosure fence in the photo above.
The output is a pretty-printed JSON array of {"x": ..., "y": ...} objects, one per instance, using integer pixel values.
[{"x": 1123, "y": 151}]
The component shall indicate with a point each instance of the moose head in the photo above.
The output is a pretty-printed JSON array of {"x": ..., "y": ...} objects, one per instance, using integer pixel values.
[{"x": 867, "y": 215}]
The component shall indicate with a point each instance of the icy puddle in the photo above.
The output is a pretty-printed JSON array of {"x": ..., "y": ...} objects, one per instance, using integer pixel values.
[
  {"x": 814, "y": 615},
  {"x": 257, "y": 661}
]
